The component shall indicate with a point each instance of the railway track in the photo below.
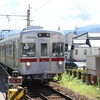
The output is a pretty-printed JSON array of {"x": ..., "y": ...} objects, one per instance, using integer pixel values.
[
  {"x": 41, "y": 92},
  {"x": 38, "y": 92}
]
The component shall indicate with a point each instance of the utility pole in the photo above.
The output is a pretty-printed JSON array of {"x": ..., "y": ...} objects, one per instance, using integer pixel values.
[
  {"x": 28, "y": 16},
  {"x": 7, "y": 16}
]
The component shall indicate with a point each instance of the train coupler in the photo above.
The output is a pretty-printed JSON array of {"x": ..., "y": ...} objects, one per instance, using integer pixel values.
[{"x": 45, "y": 82}]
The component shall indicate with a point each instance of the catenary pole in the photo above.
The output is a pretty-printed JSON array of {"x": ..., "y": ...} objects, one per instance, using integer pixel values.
[{"x": 28, "y": 16}]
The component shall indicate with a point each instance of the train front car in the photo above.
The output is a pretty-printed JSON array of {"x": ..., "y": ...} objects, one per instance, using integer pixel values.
[{"x": 42, "y": 54}]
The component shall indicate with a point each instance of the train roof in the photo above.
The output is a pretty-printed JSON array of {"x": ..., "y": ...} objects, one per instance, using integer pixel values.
[
  {"x": 41, "y": 30},
  {"x": 38, "y": 29},
  {"x": 29, "y": 30},
  {"x": 32, "y": 27}
]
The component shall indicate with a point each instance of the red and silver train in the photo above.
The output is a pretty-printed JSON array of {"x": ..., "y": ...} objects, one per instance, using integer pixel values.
[{"x": 36, "y": 54}]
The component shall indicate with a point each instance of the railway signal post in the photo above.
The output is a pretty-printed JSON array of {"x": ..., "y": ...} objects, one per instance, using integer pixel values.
[
  {"x": 15, "y": 93},
  {"x": 15, "y": 80}
]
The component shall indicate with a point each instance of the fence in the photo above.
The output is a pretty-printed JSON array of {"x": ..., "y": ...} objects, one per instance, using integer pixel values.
[{"x": 88, "y": 78}]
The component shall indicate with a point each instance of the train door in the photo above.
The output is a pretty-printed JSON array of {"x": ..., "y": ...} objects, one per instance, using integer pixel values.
[
  {"x": 5, "y": 52},
  {"x": 14, "y": 54},
  {"x": 44, "y": 56}
]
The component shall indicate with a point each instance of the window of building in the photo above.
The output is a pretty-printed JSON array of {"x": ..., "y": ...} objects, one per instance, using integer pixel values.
[
  {"x": 76, "y": 52},
  {"x": 66, "y": 47},
  {"x": 85, "y": 52}
]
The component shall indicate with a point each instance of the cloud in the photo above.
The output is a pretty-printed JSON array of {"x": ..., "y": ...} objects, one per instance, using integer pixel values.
[{"x": 64, "y": 13}]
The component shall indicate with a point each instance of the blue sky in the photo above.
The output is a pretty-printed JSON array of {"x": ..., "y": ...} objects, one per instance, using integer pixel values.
[{"x": 50, "y": 13}]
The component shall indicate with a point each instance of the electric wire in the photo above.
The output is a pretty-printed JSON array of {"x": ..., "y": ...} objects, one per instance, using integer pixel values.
[
  {"x": 7, "y": 16},
  {"x": 37, "y": 3},
  {"x": 41, "y": 6}
]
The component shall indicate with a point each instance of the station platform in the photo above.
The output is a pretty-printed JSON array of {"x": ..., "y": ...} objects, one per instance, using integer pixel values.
[{"x": 3, "y": 89}]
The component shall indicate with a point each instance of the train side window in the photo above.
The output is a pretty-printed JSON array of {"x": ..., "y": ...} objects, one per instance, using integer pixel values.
[
  {"x": 43, "y": 49},
  {"x": 7, "y": 49},
  {"x": 10, "y": 49}
]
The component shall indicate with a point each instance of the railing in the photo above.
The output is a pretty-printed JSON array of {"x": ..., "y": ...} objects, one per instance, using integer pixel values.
[{"x": 4, "y": 73}]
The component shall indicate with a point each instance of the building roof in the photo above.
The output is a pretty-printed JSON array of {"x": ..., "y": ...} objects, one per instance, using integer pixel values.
[
  {"x": 75, "y": 41},
  {"x": 92, "y": 39},
  {"x": 81, "y": 45},
  {"x": 95, "y": 43},
  {"x": 90, "y": 35},
  {"x": 93, "y": 34}
]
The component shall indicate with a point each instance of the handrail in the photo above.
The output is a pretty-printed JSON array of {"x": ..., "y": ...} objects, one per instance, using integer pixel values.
[{"x": 4, "y": 73}]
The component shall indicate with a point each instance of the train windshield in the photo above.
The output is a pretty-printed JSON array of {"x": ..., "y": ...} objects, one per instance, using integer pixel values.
[
  {"x": 58, "y": 49},
  {"x": 28, "y": 49}
]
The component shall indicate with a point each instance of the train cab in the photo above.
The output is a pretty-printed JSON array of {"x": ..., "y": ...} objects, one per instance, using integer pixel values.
[{"x": 42, "y": 53}]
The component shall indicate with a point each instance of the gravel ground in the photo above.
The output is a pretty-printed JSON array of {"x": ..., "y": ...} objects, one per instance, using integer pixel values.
[{"x": 69, "y": 92}]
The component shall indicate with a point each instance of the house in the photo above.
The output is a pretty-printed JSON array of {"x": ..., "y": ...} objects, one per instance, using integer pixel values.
[
  {"x": 68, "y": 42},
  {"x": 68, "y": 38},
  {"x": 85, "y": 44},
  {"x": 80, "y": 50}
]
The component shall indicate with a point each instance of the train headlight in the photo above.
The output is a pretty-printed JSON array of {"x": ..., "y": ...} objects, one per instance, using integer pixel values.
[
  {"x": 28, "y": 63},
  {"x": 60, "y": 63}
]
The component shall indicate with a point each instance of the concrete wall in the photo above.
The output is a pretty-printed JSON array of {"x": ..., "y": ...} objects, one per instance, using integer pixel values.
[{"x": 93, "y": 64}]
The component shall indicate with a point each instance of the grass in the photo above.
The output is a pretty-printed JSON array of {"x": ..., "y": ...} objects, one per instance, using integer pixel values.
[{"x": 79, "y": 87}]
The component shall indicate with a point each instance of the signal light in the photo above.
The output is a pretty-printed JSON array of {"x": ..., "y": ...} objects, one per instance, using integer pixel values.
[{"x": 15, "y": 80}]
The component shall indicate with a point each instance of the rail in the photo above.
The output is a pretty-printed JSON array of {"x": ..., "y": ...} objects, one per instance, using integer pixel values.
[{"x": 46, "y": 93}]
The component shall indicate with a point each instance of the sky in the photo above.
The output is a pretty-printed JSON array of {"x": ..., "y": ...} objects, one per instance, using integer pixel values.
[{"x": 51, "y": 14}]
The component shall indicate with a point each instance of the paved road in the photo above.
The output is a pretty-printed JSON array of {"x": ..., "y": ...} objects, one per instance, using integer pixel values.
[{"x": 80, "y": 64}]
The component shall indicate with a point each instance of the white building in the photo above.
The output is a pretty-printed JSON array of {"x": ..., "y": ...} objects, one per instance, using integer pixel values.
[
  {"x": 80, "y": 50},
  {"x": 68, "y": 42},
  {"x": 85, "y": 44},
  {"x": 68, "y": 38}
]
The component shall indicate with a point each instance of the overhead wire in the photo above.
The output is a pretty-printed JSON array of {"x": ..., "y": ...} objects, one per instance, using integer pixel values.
[
  {"x": 39, "y": 7},
  {"x": 35, "y": 9},
  {"x": 32, "y": 6},
  {"x": 37, "y": 3},
  {"x": 42, "y": 6}
]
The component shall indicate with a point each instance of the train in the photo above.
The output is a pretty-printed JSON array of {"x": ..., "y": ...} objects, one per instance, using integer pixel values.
[{"x": 36, "y": 54}]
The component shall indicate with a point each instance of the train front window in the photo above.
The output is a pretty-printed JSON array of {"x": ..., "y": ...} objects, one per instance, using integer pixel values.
[
  {"x": 28, "y": 49},
  {"x": 58, "y": 49}
]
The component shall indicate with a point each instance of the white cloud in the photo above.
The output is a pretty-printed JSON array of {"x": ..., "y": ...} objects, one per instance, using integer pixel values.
[{"x": 64, "y": 13}]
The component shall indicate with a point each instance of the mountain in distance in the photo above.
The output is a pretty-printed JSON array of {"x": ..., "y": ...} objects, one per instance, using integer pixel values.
[
  {"x": 81, "y": 30},
  {"x": 8, "y": 32}
]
